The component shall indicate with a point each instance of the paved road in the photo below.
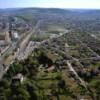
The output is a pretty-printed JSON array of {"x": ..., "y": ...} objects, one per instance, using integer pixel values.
[
  {"x": 94, "y": 36},
  {"x": 75, "y": 73},
  {"x": 24, "y": 43}
]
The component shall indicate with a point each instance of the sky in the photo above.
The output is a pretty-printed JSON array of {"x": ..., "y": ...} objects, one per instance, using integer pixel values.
[{"x": 86, "y": 4}]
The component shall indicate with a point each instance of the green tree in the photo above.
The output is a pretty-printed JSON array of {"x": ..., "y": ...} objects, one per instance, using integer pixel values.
[{"x": 20, "y": 94}]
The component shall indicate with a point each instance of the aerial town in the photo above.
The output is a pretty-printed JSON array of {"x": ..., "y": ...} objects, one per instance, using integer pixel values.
[{"x": 49, "y": 54}]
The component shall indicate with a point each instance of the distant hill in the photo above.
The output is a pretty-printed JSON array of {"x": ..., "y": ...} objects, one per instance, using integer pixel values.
[{"x": 87, "y": 20}]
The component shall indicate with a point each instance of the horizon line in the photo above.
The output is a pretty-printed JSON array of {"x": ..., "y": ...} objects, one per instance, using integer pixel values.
[{"x": 50, "y": 8}]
